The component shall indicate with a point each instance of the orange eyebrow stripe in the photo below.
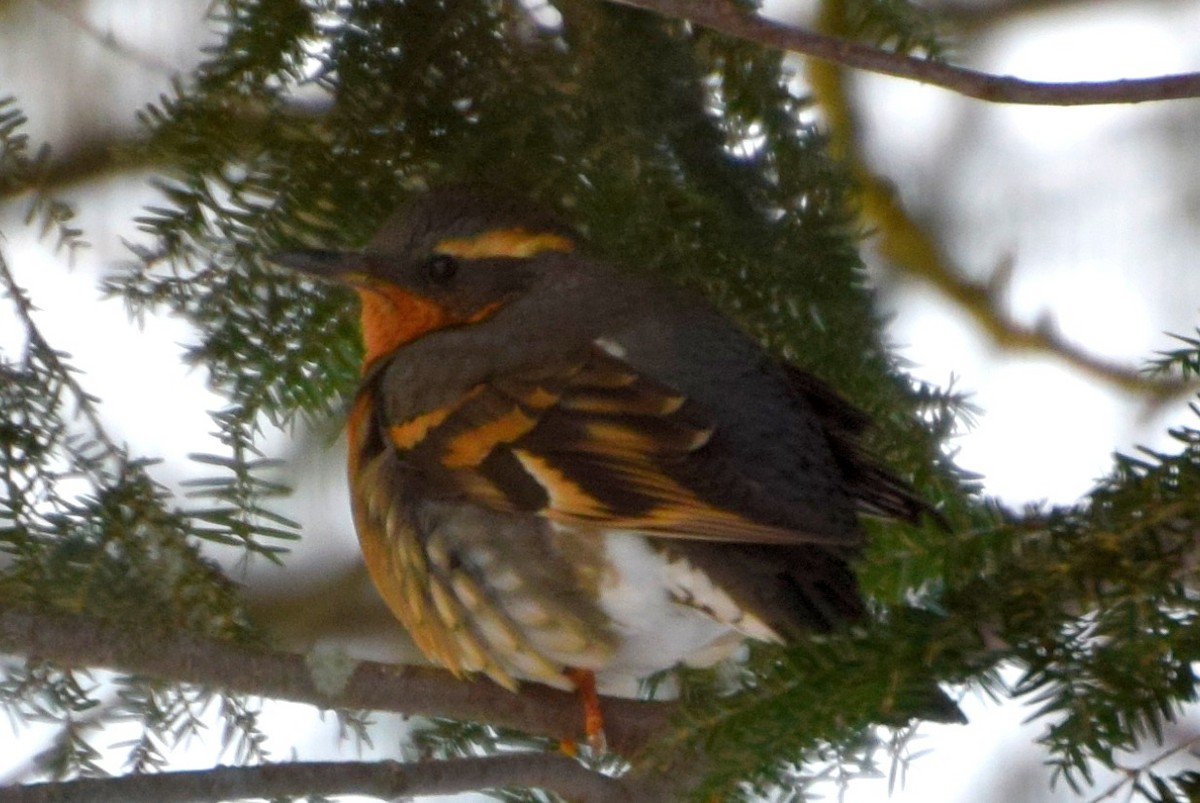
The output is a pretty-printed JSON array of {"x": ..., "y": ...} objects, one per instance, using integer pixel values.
[{"x": 513, "y": 243}]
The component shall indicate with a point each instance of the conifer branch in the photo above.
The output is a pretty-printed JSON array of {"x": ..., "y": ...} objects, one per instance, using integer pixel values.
[
  {"x": 1132, "y": 775},
  {"x": 80, "y": 641},
  {"x": 727, "y": 18},
  {"x": 54, "y": 360},
  {"x": 80, "y": 162},
  {"x": 387, "y": 780}
]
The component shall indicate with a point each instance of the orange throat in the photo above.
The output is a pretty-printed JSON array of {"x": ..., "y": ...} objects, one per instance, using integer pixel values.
[{"x": 392, "y": 317}]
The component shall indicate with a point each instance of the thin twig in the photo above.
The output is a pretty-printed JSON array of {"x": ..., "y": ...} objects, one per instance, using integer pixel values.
[
  {"x": 1131, "y": 774},
  {"x": 387, "y": 780},
  {"x": 727, "y": 18}
]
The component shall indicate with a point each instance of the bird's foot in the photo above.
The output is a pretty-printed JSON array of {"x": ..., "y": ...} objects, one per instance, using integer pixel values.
[{"x": 593, "y": 717}]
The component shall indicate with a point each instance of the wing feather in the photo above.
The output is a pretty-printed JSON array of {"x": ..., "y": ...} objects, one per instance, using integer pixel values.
[
  {"x": 590, "y": 442},
  {"x": 876, "y": 490}
]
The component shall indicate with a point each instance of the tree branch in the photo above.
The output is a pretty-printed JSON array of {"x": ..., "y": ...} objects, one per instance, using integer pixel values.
[
  {"x": 383, "y": 779},
  {"x": 101, "y": 155},
  {"x": 71, "y": 640},
  {"x": 903, "y": 244},
  {"x": 723, "y": 16},
  {"x": 80, "y": 162}
]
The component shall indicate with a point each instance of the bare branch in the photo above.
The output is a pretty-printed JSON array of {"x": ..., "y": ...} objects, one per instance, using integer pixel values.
[
  {"x": 904, "y": 244},
  {"x": 383, "y": 779},
  {"x": 70, "y": 640},
  {"x": 725, "y": 17}
]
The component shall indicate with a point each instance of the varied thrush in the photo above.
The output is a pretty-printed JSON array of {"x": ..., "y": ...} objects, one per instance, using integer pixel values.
[{"x": 559, "y": 468}]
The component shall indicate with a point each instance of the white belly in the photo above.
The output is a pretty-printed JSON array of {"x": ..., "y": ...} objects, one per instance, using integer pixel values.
[{"x": 665, "y": 613}]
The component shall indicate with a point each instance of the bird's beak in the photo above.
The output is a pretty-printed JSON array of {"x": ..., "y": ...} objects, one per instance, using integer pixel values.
[{"x": 334, "y": 265}]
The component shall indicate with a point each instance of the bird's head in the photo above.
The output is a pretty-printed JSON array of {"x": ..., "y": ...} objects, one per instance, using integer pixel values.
[{"x": 453, "y": 257}]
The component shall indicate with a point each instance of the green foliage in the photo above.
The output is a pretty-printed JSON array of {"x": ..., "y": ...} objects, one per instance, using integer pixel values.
[
  {"x": 1098, "y": 604},
  {"x": 21, "y": 169},
  {"x": 83, "y": 525},
  {"x": 830, "y": 692},
  {"x": 897, "y": 25},
  {"x": 41, "y": 693},
  {"x": 170, "y": 716}
]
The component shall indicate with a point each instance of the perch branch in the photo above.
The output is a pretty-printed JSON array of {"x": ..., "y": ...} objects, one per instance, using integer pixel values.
[
  {"x": 72, "y": 640},
  {"x": 725, "y": 17}
]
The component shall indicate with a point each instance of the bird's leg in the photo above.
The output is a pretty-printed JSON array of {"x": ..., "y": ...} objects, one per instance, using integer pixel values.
[{"x": 593, "y": 717}]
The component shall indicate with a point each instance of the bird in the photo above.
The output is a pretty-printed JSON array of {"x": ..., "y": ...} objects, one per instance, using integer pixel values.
[{"x": 562, "y": 470}]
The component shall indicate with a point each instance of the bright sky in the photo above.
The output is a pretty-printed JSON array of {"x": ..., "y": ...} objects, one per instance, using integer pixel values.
[{"x": 1079, "y": 200}]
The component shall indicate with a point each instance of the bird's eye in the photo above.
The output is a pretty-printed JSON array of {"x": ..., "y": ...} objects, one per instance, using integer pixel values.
[{"x": 440, "y": 268}]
